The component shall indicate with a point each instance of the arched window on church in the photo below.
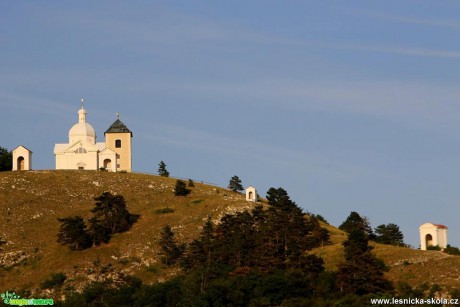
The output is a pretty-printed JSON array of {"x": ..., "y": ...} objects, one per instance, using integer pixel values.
[
  {"x": 80, "y": 150},
  {"x": 117, "y": 143}
]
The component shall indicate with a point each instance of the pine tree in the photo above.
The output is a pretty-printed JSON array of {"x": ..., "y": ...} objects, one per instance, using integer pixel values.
[
  {"x": 73, "y": 233},
  {"x": 389, "y": 234},
  {"x": 171, "y": 250},
  {"x": 235, "y": 184},
  {"x": 99, "y": 233},
  {"x": 362, "y": 272},
  {"x": 200, "y": 252},
  {"x": 355, "y": 221},
  {"x": 162, "y": 171},
  {"x": 111, "y": 213}
]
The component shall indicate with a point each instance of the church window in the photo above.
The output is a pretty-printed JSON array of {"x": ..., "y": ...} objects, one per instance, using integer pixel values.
[
  {"x": 80, "y": 150},
  {"x": 117, "y": 143}
]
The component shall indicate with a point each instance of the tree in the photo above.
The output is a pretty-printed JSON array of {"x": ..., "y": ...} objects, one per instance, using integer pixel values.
[
  {"x": 171, "y": 250},
  {"x": 162, "y": 171},
  {"x": 181, "y": 188},
  {"x": 389, "y": 234},
  {"x": 6, "y": 160},
  {"x": 235, "y": 184},
  {"x": 355, "y": 221},
  {"x": 99, "y": 233},
  {"x": 362, "y": 272},
  {"x": 73, "y": 233},
  {"x": 111, "y": 214}
]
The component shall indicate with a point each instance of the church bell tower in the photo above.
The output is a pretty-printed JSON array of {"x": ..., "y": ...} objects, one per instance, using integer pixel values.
[{"x": 118, "y": 138}]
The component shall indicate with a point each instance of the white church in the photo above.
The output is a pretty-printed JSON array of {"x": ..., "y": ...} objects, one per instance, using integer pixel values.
[{"x": 82, "y": 152}]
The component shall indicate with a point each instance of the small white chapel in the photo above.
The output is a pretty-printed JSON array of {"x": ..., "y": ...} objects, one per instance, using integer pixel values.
[{"x": 83, "y": 153}]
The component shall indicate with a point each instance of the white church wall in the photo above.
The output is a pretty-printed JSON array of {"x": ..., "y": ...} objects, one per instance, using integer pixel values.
[
  {"x": 437, "y": 233},
  {"x": 251, "y": 194},
  {"x": 108, "y": 155},
  {"x": 22, "y": 159}
]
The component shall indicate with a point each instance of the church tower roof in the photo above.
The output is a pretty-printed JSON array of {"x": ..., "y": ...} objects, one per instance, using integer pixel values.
[{"x": 118, "y": 127}]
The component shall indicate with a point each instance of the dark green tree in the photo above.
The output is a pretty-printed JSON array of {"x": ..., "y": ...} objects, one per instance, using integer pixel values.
[
  {"x": 110, "y": 213},
  {"x": 73, "y": 233},
  {"x": 362, "y": 272},
  {"x": 181, "y": 188},
  {"x": 162, "y": 171},
  {"x": 191, "y": 184},
  {"x": 6, "y": 160},
  {"x": 235, "y": 184},
  {"x": 389, "y": 234},
  {"x": 235, "y": 235},
  {"x": 98, "y": 231},
  {"x": 284, "y": 232},
  {"x": 355, "y": 221},
  {"x": 170, "y": 249}
]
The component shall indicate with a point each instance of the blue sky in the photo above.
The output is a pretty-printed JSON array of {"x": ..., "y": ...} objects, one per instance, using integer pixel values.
[{"x": 349, "y": 106}]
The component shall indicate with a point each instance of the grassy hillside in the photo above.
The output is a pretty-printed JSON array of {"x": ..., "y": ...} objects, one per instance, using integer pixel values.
[
  {"x": 31, "y": 202},
  {"x": 405, "y": 264}
]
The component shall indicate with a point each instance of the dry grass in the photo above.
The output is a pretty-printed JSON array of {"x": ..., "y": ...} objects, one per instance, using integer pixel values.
[
  {"x": 31, "y": 202},
  {"x": 405, "y": 264}
]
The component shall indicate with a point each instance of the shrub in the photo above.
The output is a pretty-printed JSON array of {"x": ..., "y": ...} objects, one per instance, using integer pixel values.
[
  {"x": 451, "y": 250},
  {"x": 181, "y": 189},
  {"x": 56, "y": 280},
  {"x": 164, "y": 211}
]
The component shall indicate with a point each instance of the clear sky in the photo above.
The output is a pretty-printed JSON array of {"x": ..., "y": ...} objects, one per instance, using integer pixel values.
[{"x": 348, "y": 105}]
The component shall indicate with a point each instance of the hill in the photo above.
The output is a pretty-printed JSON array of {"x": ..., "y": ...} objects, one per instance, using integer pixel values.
[
  {"x": 408, "y": 265},
  {"x": 31, "y": 202}
]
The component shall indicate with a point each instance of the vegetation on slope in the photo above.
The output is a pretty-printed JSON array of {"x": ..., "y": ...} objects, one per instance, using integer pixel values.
[{"x": 31, "y": 202}]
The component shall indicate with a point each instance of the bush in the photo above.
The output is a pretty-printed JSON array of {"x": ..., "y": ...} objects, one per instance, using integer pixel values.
[
  {"x": 433, "y": 248},
  {"x": 56, "y": 280},
  {"x": 164, "y": 211},
  {"x": 181, "y": 189},
  {"x": 451, "y": 250}
]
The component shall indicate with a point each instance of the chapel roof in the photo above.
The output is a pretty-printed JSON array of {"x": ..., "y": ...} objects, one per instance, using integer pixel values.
[
  {"x": 118, "y": 127},
  {"x": 23, "y": 147}
]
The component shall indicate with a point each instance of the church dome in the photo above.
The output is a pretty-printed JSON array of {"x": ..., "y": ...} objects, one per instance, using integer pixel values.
[{"x": 82, "y": 131}]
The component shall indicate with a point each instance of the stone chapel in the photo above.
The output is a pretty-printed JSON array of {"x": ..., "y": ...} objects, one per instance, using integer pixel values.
[{"x": 83, "y": 153}]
